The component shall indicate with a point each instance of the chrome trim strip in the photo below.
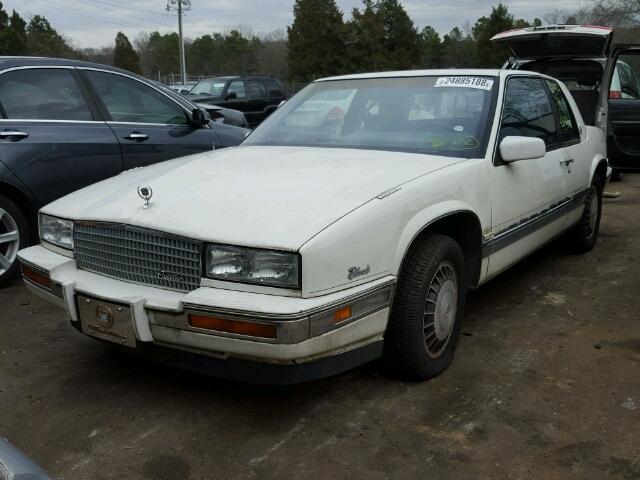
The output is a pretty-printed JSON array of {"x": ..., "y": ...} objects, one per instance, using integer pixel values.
[
  {"x": 32, "y": 67},
  {"x": 56, "y": 249},
  {"x": 45, "y": 294},
  {"x": 40, "y": 120},
  {"x": 33, "y": 266},
  {"x": 241, "y": 314},
  {"x": 110, "y": 122},
  {"x": 529, "y": 225}
]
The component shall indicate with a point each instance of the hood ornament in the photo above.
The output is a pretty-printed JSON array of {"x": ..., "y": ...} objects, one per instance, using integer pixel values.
[{"x": 145, "y": 193}]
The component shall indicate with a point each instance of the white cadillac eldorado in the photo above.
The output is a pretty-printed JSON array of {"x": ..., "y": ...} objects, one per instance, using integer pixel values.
[{"x": 334, "y": 234}]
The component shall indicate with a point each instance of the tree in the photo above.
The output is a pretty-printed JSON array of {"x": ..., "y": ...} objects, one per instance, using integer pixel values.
[
  {"x": 401, "y": 40},
  {"x": 456, "y": 48},
  {"x": 13, "y": 35},
  {"x": 487, "y": 53},
  {"x": 383, "y": 37},
  {"x": 124, "y": 56},
  {"x": 160, "y": 53},
  {"x": 43, "y": 40},
  {"x": 366, "y": 39},
  {"x": 431, "y": 47},
  {"x": 316, "y": 40}
]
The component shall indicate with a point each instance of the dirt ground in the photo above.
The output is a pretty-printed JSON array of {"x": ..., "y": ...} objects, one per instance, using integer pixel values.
[{"x": 545, "y": 384}]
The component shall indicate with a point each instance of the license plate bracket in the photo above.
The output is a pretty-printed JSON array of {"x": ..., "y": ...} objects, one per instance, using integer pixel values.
[{"x": 108, "y": 321}]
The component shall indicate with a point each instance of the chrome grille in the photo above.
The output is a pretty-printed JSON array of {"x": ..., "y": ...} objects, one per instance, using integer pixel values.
[{"x": 138, "y": 255}]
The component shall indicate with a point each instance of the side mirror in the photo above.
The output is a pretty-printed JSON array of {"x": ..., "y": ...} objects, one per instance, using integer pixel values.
[
  {"x": 184, "y": 91},
  {"x": 232, "y": 95},
  {"x": 513, "y": 149},
  {"x": 200, "y": 117}
]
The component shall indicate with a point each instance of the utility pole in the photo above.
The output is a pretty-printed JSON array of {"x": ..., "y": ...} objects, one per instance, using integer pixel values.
[{"x": 180, "y": 6}]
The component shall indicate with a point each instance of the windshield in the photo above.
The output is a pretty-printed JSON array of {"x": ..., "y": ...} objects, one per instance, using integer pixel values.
[
  {"x": 209, "y": 86},
  {"x": 443, "y": 115}
]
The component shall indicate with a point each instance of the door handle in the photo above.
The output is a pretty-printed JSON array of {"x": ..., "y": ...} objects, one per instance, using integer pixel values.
[
  {"x": 137, "y": 136},
  {"x": 567, "y": 162},
  {"x": 13, "y": 133}
]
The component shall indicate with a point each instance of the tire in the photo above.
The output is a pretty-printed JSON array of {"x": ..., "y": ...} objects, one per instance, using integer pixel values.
[
  {"x": 582, "y": 237},
  {"x": 427, "y": 311},
  {"x": 14, "y": 235},
  {"x": 616, "y": 175}
]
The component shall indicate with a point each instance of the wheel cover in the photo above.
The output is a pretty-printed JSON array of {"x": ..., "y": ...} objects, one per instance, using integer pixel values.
[
  {"x": 440, "y": 311},
  {"x": 9, "y": 241},
  {"x": 591, "y": 211}
]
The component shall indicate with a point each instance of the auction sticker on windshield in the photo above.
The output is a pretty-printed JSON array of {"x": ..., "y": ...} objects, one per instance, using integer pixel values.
[{"x": 466, "y": 82}]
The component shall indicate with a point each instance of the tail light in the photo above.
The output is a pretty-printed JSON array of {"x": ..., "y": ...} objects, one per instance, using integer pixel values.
[{"x": 615, "y": 94}]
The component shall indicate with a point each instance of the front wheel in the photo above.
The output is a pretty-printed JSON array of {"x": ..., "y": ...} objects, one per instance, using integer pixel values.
[
  {"x": 427, "y": 310},
  {"x": 582, "y": 237},
  {"x": 14, "y": 235}
]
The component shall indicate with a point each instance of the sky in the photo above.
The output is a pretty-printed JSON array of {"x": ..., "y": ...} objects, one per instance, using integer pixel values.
[{"x": 94, "y": 23}]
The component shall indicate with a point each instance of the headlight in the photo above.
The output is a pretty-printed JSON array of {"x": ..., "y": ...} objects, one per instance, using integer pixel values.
[
  {"x": 56, "y": 231},
  {"x": 248, "y": 265}
]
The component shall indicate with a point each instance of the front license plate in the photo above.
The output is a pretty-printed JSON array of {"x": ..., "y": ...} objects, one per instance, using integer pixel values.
[{"x": 106, "y": 320}]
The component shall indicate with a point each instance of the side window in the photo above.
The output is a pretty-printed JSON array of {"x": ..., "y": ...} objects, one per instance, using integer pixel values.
[
  {"x": 527, "y": 111},
  {"x": 624, "y": 84},
  {"x": 131, "y": 101},
  {"x": 274, "y": 88},
  {"x": 256, "y": 89},
  {"x": 237, "y": 87},
  {"x": 568, "y": 127},
  {"x": 42, "y": 94}
]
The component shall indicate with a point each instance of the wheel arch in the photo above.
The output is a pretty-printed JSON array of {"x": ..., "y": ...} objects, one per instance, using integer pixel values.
[
  {"x": 599, "y": 167},
  {"x": 462, "y": 225},
  {"x": 24, "y": 203}
]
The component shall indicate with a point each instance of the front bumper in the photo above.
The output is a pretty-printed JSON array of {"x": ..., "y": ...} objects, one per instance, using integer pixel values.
[{"x": 307, "y": 333}]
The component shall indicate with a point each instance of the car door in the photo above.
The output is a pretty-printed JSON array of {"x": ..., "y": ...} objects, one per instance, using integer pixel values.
[
  {"x": 576, "y": 166},
  {"x": 622, "y": 118},
  {"x": 258, "y": 101},
  {"x": 236, "y": 97},
  {"x": 527, "y": 196},
  {"x": 150, "y": 126},
  {"x": 51, "y": 134}
]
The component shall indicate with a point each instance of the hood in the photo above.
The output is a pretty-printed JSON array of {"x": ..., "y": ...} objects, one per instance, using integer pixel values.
[
  {"x": 269, "y": 197},
  {"x": 556, "y": 41}
]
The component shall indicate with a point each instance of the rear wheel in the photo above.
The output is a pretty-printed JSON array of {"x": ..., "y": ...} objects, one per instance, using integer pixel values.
[
  {"x": 425, "y": 320},
  {"x": 14, "y": 235},
  {"x": 583, "y": 236},
  {"x": 616, "y": 175}
]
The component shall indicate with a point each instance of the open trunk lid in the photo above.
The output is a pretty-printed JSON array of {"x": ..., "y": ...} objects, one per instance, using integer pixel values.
[{"x": 557, "y": 41}]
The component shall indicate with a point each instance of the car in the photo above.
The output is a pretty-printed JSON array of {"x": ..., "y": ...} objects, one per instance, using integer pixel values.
[
  {"x": 65, "y": 124},
  {"x": 602, "y": 76},
  {"x": 257, "y": 96},
  {"x": 217, "y": 114},
  {"x": 310, "y": 248},
  {"x": 14, "y": 464},
  {"x": 225, "y": 115}
]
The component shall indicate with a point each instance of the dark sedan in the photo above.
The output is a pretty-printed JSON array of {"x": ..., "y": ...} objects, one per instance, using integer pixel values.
[{"x": 66, "y": 124}]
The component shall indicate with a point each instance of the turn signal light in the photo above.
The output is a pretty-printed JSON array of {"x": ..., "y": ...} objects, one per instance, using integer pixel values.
[
  {"x": 35, "y": 276},
  {"x": 233, "y": 326},
  {"x": 342, "y": 314}
]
